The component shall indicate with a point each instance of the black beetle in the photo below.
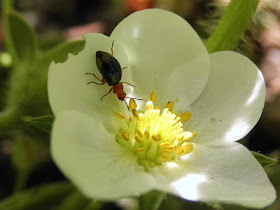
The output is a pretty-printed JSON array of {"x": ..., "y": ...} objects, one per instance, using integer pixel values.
[{"x": 111, "y": 70}]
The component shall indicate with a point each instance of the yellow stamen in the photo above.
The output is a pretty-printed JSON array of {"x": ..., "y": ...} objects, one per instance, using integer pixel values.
[
  {"x": 125, "y": 135},
  {"x": 179, "y": 150},
  {"x": 156, "y": 137},
  {"x": 167, "y": 158},
  {"x": 171, "y": 147},
  {"x": 135, "y": 113},
  {"x": 139, "y": 134},
  {"x": 149, "y": 105},
  {"x": 165, "y": 145},
  {"x": 153, "y": 96},
  {"x": 185, "y": 116},
  {"x": 194, "y": 133},
  {"x": 188, "y": 147},
  {"x": 139, "y": 139},
  {"x": 187, "y": 135},
  {"x": 141, "y": 149},
  {"x": 169, "y": 105},
  {"x": 166, "y": 151},
  {"x": 146, "y": 134},
  {"x": 132, "y": 104},
  {"x": 120, "y": 115}
]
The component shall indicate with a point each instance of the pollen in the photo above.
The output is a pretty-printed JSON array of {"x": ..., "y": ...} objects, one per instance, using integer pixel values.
[{"x": 155, "y": 136}]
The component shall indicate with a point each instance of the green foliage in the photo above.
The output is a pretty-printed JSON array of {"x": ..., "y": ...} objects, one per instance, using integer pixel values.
[
  {"x": 151, "y": 200},
  {"x": 26, "y": 95},
  {"x": 60, "y": 54},
  {"x": 21, "y": 39},
  {"x": 232, "y": 26},
  {"x": 74, "y": 200},
  {"x": 43, "y": 122},
  {"x": 43, "y": 197},
  {"x": 264, "y": 160},
  {"x": 27, "y": 91},
  {"x": 95, "y": 205}
]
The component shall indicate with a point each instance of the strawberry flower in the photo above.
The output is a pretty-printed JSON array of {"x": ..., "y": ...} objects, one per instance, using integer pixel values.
[{"x": 182, "y": 140}]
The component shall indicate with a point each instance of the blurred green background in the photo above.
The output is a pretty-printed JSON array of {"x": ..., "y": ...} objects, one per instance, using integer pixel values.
[{"x": 29, "y": 178}]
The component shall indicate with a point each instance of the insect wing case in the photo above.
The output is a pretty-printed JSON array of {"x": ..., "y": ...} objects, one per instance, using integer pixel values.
[{"x": 109, "y": 67}]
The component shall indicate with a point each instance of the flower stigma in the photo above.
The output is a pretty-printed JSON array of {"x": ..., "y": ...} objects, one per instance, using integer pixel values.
[{"x": 155, "y": 136}]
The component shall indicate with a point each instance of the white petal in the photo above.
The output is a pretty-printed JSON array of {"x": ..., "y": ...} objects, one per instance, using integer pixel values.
[
  {"x": 226, "y": 174},
  {"x": 67, "y": 82},
  {"x": 232, "y": 102},
  {"x": 90, "y": 157},
  {"x": 165, "y": 54}
]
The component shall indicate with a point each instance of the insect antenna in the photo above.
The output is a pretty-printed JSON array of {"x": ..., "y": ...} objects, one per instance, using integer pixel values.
[
  {"x": 126, "y": 104},
  {"x": 140, "y": 99}
]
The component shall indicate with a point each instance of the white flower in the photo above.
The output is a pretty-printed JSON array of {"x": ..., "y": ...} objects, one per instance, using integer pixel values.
[{"x": 109, "y": 152}]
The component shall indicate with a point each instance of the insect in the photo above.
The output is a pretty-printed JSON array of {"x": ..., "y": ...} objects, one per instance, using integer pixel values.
[{"x": 111, "y": 70}]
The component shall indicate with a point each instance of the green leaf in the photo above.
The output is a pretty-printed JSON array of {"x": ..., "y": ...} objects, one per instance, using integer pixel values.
[
  {"x": 21, "y": 41},
  {"x": 264, "y": 160},
  {"x": 75, "y": 200},
  {"x": 23, "y": 159},
  {"x": 95, "y": 205},
  {"x": 60, "y": 54},
  {"x": 28, "y": 95},
  {"x": 151, "y": 200},
  {"x": 43, "y": 197},
  {"x": 232, "y": 25},
  {"x": 43, "y": 122}
]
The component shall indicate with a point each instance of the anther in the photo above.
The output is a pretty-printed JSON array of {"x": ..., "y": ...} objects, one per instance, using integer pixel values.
[
  {"x": 132, "y": 104},
  {"x": 179, "y": 150},
  {"x": 166, "y": 151},
  {"x": 166, "y": 157},
  {"x": 120, "y": 115},
  {"x": 185, "y": 116},
  {"x": 125, "y": 135},
  {"x": 139, "y": 134},
  {"x": 139, "y": 139},
  {"x": 156, "y": 137},
  {"x": 141, "y": 149},
  {"x": 153, "y": 96},
  {"x": 149, "y": 105},
  {"x": 187, "y": 135},
  {"x": 169, "y": 105},
  {"x": 165, "y": 145},
  {"x": 171, "y": 147},
  {"x": 188, "y": 147},
  {"x": 135, "y": 113},
  {"x": 146, "y": 134}
]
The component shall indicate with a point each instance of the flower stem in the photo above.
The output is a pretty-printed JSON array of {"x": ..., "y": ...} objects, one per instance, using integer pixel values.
[
  {"x": 7, "y": 120},
  {"x": 151, "y": 200},
  {"x": 232, "y": 25},
  {"x": 6, "y": 6}
]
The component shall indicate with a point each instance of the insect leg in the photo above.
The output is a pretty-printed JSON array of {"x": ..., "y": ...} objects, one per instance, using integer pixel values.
[
  {"x": 128, "y": 84},
  {"x": 124, "y": 67},
  {"x": 102, "y": 81},
  {"x": 112, "y": 52},
  {"x": 107, "y": 93},
  {"x": 94, "y": 76}
]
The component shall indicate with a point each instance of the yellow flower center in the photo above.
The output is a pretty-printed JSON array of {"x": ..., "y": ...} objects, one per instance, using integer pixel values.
[{"x": 155, "y": 136}]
